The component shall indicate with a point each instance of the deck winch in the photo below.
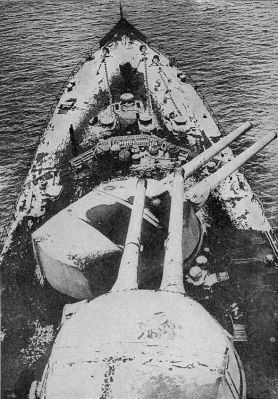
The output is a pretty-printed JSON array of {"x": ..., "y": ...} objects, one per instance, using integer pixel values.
[
  {"x": 106, "y": 124},
  {"x": 145, "y": 122},
  {"x": 107, "y": 121},
  {"x": 179, "y": 125},
  {"x": 145, "y": 118}
]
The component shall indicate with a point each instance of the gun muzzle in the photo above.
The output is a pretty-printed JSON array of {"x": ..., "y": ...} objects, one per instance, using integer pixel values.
[
  {"x": 205, "y": 156},
  {"x": 203, "y": 188},
  {"x": 201, "y": 159}
]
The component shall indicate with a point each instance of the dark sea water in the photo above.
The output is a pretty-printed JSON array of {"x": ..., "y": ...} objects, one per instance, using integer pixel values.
[{"x": 229, "y": 47}]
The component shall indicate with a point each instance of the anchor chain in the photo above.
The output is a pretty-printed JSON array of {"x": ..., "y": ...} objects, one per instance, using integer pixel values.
[
  {"x": 108, "y": 86},
  {"x": 161, "y": 72},
  {"x": 149, "y": 103}
]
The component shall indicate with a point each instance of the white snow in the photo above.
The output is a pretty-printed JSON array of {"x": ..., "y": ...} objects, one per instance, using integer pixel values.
[{"x": 38, "y": 344}]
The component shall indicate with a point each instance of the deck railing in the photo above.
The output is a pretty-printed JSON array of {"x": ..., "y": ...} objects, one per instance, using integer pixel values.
[
  {"x": 123, "y": 142},
  {"x": 205, "y": 102},
  {"x": 65, "y": 82},
  {"x": 4, "y": 231},
  {"x": 194, "y": 85}
]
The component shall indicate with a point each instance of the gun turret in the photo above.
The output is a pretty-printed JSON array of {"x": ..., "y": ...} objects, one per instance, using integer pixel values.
[
  {"x": 200, "y": 191},
  {"x": 172, "y": 279},
  {"x": 127, "y": 276}
]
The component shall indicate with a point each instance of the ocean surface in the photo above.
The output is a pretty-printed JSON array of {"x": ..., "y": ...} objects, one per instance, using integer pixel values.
[{"x": 230, "y": 47}]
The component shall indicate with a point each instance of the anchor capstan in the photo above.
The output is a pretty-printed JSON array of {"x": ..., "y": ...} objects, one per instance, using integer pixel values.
[
  {"x": 172, "y": 279},
  {"x": 200, "y": 191},
  {"x": 127, "y": 276}
]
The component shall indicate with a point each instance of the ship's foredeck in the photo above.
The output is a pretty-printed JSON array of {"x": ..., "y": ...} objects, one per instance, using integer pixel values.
[{"x": 165, "y": 124}]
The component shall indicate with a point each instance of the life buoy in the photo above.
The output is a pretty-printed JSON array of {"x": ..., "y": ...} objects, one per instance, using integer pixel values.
[
  {"x": 153, "y": 149},
  {"x": 143, "y": 48},
  {"x": 109, "y": 188},
  {"x": 135, "y": 149},
  {"x": 105, "y": 51},
  {"x": 155, "y": 59}
]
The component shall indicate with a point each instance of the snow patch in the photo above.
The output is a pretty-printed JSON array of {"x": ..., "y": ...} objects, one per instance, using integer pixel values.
[
  {"x": 38, "y": 343},
  {"x": 39, "y": 275},
  {"x": 2, "y": 335}
]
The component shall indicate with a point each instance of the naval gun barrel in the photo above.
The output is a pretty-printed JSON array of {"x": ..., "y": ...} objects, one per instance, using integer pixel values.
[
  {"x": 201, "y": 159},
  {"x": 200, "y": 191},
  {"x": 205, "y": 156},
  {"x": 127, "y": 276},
  {"x": 172, "y": 279}
]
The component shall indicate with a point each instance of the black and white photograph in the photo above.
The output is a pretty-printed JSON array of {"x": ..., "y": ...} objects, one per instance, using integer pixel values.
[{"x": 139, "y": 199}]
